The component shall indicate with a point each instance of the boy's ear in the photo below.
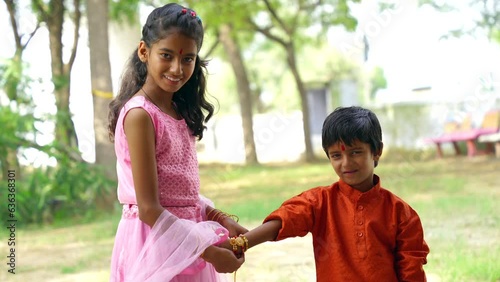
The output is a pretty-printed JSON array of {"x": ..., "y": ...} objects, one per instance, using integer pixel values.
[{"x": 379, "y": 153}]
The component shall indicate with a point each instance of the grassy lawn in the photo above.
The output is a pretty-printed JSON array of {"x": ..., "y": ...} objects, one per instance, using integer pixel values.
[{"x": 457, "y": 199}]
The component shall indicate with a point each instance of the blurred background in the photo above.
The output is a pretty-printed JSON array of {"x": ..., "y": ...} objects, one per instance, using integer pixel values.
[{"x": 429, "y": 69}]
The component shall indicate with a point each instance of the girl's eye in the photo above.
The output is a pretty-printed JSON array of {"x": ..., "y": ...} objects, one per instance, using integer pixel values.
[
  {"x": 188, "y": 59},
  {"x": 166, "y": 55}
]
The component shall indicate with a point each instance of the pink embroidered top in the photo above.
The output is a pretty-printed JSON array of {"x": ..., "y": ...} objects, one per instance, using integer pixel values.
[
  {"x": 170, "y": 250},
  {"x": 177, "y": 165}
]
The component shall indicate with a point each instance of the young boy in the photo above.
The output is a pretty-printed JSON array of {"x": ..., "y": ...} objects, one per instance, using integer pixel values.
[{"x": 361, "y": 231}]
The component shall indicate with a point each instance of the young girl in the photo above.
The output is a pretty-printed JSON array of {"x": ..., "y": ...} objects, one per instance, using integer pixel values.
[{"x": 168, "y": 230}]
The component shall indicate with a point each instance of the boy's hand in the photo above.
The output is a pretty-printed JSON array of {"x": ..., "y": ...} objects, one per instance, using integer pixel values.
[{"x": 223, "y": 260}]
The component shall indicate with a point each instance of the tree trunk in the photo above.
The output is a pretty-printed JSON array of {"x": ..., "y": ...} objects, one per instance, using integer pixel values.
[
  {"x": 10, "y": 160},
  {"x": 233, "y": 52},
  {"x": 65, "y": 129},
  {"x": 11, "y": 85},
  {"x": 306, "y": 124},
  {"x": 102, "y": 87}
]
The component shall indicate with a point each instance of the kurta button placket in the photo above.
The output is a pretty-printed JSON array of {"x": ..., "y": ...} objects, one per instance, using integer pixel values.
[{"x": 359, "y": 219}]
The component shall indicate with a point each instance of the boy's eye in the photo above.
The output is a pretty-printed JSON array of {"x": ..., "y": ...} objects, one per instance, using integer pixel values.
[
  {"x": 335, "y": 156},
  {"x": 356, "y": 152}
]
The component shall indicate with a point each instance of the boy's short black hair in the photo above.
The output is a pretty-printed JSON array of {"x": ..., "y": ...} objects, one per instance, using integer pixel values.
[{"x": 347, "y": 124}]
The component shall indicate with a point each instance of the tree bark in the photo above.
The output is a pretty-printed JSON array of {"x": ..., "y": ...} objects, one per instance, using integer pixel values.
[
  {"x": 306, "y": 121},
  {"x": 10, "y": 160},
  {"x": 228, "y": 40},
  {"x": 102, "y": 86},
  {"x": 12, "y": 84},
  {"x": 53, "y": 15},
  {"x": 288, "y": 45}
]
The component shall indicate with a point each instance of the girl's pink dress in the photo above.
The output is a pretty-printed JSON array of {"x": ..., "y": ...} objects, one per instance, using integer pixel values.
[{"x": 170, "y": 250}]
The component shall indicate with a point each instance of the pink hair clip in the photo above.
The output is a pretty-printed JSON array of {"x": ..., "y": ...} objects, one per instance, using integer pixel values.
[
  {"x": 193, "y": 14},
  {"x": 184, "y": 11}
]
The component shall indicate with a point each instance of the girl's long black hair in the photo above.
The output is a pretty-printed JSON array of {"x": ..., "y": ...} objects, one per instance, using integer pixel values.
[{"x": 190, "y": 99}]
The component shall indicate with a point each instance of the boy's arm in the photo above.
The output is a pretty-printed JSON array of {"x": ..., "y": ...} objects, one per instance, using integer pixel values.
[
  {"x": 411, "y": 249},
  {"x": 268, "y": 231},
  {"x": 295, "y": 217}
]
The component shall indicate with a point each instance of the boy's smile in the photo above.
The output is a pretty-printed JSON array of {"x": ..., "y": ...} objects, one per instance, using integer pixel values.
[{"x": 354, "y": 164}]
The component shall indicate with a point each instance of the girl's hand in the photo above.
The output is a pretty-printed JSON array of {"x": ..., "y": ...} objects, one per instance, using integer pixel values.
[
  {"x": 226, "y": 245},
  {"x": 223, "y": 260},
  {"x": 234, "y": 228}
]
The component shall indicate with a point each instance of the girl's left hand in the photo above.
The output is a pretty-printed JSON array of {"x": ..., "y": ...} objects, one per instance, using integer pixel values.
[{"x": 234, "y": 228}]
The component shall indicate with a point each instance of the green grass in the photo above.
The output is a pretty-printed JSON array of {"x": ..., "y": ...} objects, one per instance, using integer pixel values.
[
  {"x": 456, "y": 198},
  {"x": 254, "y": 192}
]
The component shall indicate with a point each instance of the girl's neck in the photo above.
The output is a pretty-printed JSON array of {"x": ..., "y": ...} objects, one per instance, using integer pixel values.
[{"x": 161, "y": 101}]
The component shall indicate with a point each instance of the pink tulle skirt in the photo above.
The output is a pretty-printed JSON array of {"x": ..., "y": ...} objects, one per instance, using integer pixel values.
[{"x": 169, "y": 251}]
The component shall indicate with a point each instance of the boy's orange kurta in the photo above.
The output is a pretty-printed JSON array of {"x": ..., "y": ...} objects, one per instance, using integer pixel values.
[{"x": 371, "y": 236}]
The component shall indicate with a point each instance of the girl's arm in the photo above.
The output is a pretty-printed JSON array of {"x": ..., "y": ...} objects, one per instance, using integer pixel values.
[
  {"x": 225, "y": 220},
  {"x": 140, "y": 135},
  {"x": 141, "y": 141},
  {"x": 223, "y": 260}
]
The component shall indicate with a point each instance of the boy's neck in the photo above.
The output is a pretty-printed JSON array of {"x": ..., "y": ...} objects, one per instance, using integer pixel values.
[{"x": 363, "y": 188}]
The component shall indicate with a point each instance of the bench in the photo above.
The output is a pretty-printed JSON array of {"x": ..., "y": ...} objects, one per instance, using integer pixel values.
[
  {"x": 464, "y": 132},
  {"x": 492, "y": 139}
]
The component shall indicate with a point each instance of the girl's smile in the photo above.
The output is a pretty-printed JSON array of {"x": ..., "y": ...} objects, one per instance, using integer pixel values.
[{"x": 170, "y": 61}]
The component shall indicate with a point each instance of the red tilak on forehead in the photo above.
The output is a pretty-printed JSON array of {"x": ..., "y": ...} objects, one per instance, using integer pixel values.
[
  {"x": 180, "y": 52},
  {"x": 342, "y": 147}
]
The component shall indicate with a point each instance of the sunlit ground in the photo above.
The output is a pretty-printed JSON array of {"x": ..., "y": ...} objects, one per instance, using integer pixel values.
[{"x": 457, "y": 199}]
